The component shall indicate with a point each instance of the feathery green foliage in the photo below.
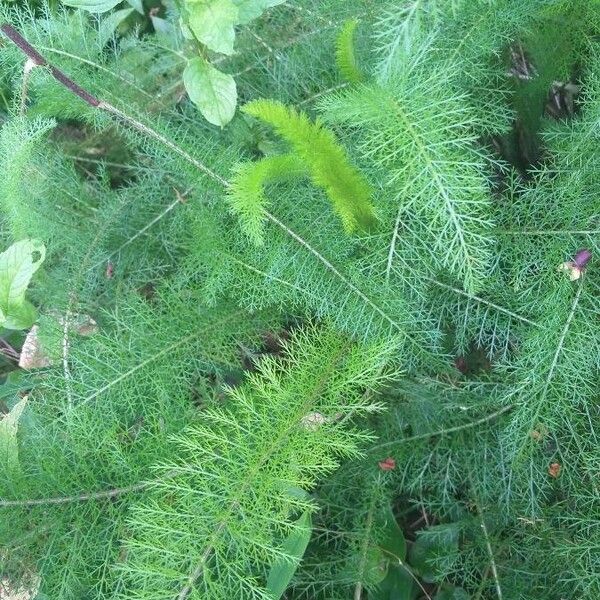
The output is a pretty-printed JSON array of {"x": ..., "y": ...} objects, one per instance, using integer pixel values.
[
  {"x": 345, "y": 55},
  {"x": 326, "y": 161},
  {"x": 247, "y": 196},
  {"x": 239, "y": 467},
  {"x": 217, "y": 405}
]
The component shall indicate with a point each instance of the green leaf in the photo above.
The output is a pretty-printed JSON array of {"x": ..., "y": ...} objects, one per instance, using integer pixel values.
[
  {"x": 213, "y": 23},
  {"x": 376, "y": 566},
  {"x": 293, "y": 547},
  {"x": 398, "y": 585},
  {"x": 137, "y": 5},
  {"x": 9, "y": 449},
  {"x": 393, "y": 542},
  {"x": 251, "y": 9},
  {"x": 434, "y": 548},
  {"x": 247, "y": 196},
  {"x": 109, "y": 24},
  {"x": 17, "y": 266},
  {"x": 21, "y": 316},
  {"x": 93, "y": 6},
  {"x": 452, "y": 593},
  {"x": 344, "y": 53},
  {"x": 165, "y": 29},
  {"x": 213, "y": 92},
  {"x": 326, "y": 160}
]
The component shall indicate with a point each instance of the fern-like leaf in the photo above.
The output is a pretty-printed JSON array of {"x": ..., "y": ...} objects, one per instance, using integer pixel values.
[
  {"x": 420, "y": 135},
  {"x": 326, "y": 159},
  {"x": 219, "y": 519},
  {"x": 344, "y": 53},
  {"x": 246, "y": 194}
]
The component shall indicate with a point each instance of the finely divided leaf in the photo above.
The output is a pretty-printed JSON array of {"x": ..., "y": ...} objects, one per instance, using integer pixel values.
[
  {"x": 344, "y": 53},
  {"x": 326, "y": 160},
  {"x": 246, "y": 194}
]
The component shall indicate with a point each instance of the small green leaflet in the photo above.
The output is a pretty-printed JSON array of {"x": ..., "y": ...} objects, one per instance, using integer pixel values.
[
  {"x": 17, "y": 266},
  {"x": 137, "y": 4},
  {"x": 399, "y": 584},
  {"x": 213, "y": 22},
  {"x": 393, "y": 542},
  {"x": 109, "y": 24},
  {"x": 251, "y": 9},
  {"x": 452, "y": 593},
  {"x": 94, "y": 6},
  {"x": 213, "y": 92},
  {"x": 294, "y": 546},
  {"x": 9, "y": 448}
]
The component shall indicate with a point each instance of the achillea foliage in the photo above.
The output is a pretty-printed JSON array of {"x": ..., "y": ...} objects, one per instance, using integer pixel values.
[{"x": 345, "y": 346}]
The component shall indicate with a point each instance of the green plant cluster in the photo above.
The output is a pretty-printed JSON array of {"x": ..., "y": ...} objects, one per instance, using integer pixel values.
[{"x": 344, "y": 347}]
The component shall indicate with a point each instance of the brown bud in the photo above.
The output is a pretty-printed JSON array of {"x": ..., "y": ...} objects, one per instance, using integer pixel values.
[
  {"x": 389, "y": 464},
  {"x": 554, "y": 470}
]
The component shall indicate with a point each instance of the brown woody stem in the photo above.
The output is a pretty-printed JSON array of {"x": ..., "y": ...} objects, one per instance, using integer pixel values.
[{"x": 16, "y": 38}]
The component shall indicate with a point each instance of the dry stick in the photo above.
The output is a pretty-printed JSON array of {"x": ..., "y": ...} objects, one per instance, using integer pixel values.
[
  {"x": 77, "y": 498},
  {"x": 462, "y": 427},
  {"x": 113, "y": 493},
  {"x": 16, "y": 38}
]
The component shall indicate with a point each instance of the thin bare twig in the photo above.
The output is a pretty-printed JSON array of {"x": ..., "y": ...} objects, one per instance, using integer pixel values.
[
  {"x": 85, "y": 496},
  {"x": 488, "y": 545},
  {"x": 14, "y": 36},
  {"x": 77, "y": 497},
  {"x": 439, "y": 432}
]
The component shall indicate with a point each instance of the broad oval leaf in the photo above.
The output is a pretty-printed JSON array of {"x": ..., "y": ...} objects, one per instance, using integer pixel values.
[
  {"x": 251, "y": 9},
  {"x": 109, "y": 24},
  {"x": 375, "y": 565},
  {"x": 393, "y": 541},
  {"x": 137, "y": 4},
  {"x": 93, "y": 6},
  {"x": 283, "y": 570},
  {"x": 399, "y": 584},
  {"x": 213, "y": 23},
  {"x": 9, "y": 449},
  {"x": 165, "y": 29},
  {"x": 452, "y": 593},
  {"x": 17, "y": 266},
  {"x": 213, "y": 92}
]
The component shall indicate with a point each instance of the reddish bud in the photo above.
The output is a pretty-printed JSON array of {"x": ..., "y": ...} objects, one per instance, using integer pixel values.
[
  {"x": 110, "y": 270},
  {"x": 554, "y": 470},
  {"x": 389, "y": 464}
]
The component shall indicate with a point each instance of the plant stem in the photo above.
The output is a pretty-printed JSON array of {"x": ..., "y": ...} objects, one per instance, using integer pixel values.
[
  {"x": 468, "y": 425},
  {"x": 14, "y": 36},
  {"x": 76, "y": 498}
]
